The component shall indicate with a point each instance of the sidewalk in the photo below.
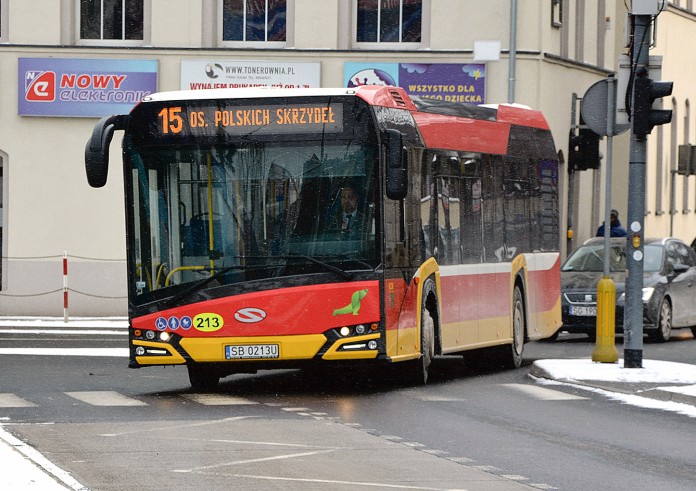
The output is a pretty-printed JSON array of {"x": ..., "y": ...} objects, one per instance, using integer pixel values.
[
  {"x": 663, "y": 381},
  {"x": 23, "y": 468},
  {"x": 73, "y": 322}
]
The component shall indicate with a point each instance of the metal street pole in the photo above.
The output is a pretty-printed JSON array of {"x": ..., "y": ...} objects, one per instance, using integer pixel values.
[{"x": 633, "y": 309}]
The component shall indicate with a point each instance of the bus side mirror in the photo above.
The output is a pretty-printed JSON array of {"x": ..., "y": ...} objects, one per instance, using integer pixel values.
[
  {"x": 397, "y": 178},
  {"x": 97, "y": 149}
]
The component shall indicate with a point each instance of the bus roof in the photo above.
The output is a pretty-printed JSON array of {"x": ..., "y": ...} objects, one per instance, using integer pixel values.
[
  {"x": 244, "y": 93},
  {"x": 377, "y": 95},
  {"x": 442, "y": 124}
]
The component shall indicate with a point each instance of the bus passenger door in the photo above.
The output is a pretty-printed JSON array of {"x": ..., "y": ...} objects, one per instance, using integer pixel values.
[
  {"x": 494, "y": 277},
  {"x": 471, "y": 253},
  {"x": 447, "y": 236}
]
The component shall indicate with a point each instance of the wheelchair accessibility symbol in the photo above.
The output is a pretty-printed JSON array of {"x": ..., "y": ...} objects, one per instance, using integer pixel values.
[{"x": 161, "y": 323}]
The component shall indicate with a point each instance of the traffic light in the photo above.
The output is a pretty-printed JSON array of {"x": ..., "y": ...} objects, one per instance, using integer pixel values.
[
  {"x": 583, "y": 150},
  {"x": 645, "y": 92}
]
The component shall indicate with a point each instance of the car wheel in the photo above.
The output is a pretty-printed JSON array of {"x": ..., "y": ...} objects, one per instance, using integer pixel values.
[
  {"x": 664, "y": 322},
  {"x": 202, "y": 377},
  {"x": 513, "y": 354}
]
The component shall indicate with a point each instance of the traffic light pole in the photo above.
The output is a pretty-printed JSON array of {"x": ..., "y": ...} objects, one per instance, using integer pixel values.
[{"x": 633, "y": 309}]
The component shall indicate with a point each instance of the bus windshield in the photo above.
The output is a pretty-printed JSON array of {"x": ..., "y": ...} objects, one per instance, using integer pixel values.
[{"x": 255, "y": 210}]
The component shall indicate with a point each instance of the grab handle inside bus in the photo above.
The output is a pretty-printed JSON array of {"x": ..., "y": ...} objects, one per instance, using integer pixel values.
[
  {"x": 397, "y": 179},
  {"x": 97, "y": 149}
]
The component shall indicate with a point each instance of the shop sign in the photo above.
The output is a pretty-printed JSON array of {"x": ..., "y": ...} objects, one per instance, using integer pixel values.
[{"x": 79, "y": 87}]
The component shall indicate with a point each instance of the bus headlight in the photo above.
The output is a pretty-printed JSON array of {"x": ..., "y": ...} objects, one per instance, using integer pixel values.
[
  {"x": 164, "y": 336},
  {"x": 150, "y": 335},
  {"x": 372, "y": 344},
  {"x": 345, "y": 331},
  {"x": 140, "y": 351}
]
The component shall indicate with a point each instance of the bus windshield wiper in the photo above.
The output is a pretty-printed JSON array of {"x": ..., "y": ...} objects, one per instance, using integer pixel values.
[
  {"x": 217, "y": 274},
  {"x": 338, "y": 271},
  {"x": 200, "y": 284}
]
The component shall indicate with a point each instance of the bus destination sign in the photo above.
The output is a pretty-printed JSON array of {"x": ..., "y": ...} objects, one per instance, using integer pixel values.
[{"x": 180, "y": 119}]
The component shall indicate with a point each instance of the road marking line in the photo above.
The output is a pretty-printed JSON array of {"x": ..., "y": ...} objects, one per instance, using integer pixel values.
[
  {"x": 252, "y": 461},
  {"x": 543, "y": 393},
  {"x": 105, "y": 398},
  {"x": 179, "y": 427},
  {"x": 391, "y": 438},
  {"x": 434, "y": 451},
  {"x": 92, "y": 332},
  {"x": 250, "y": 442},
  {"x": 218, "y": 400},
  {"x": 413, "y": 444},
  {"x": 333, "y": 481},
  {"x": 461, "y": 460},
  {"x": 514, "y": 477},
  {"x": 115, "y": 352},
  {"x": 441, "y": 399},
  {"x": 41, "y": 462},
  {"x": 11, "y": 400}
]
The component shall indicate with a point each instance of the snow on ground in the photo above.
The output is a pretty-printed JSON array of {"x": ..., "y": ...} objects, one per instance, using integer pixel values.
[
  {"x": 653, "y": 371},
  {"x": 565, "y": 372}
]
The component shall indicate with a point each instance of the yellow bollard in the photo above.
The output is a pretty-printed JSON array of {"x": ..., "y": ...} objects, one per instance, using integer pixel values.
[{"x": 605, "y": 348}]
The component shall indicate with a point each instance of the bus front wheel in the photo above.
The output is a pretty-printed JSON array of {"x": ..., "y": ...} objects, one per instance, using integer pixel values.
[
  {"x": 427, "y": 335},
  {"x": 202, "y": 377}
]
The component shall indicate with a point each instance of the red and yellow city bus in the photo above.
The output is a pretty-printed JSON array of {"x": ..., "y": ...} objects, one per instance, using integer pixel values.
[{"x": 237, "y": 260}]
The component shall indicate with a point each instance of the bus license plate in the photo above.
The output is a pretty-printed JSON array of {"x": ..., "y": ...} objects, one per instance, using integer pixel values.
[
  {"x": 248, "y": 351},
  {"x": 583, "y": 310}
]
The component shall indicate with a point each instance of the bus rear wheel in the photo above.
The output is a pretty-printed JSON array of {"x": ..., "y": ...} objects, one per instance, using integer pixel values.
[{"x": 202, "y": 377}]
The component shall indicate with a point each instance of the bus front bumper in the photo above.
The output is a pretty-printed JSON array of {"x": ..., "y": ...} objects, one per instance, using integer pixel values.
[{"x": 263, "y": 349}]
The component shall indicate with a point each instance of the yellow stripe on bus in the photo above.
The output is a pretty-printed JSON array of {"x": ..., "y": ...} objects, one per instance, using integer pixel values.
[
  {"x": 301, "y": 347},
  {"x": 172, "y": 358}
]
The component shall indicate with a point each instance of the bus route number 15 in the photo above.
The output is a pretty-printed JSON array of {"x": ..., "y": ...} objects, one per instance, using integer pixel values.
[{"x": 171, "y": 119}]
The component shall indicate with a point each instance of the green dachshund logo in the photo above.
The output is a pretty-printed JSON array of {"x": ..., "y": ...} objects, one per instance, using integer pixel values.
[{"x": 354, "y": 306}]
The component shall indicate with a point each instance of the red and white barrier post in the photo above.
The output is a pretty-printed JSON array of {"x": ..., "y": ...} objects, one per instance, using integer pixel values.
[{"x": 65, "y": 286}]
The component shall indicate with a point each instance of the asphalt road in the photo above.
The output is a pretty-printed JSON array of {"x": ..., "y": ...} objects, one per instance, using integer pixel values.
[{"x": 474, "y": 427}]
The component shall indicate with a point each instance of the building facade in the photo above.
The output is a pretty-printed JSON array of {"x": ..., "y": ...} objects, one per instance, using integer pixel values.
[{"x": 64, "y": 63}]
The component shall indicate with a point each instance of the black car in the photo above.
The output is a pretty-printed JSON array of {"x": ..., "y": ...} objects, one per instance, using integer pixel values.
[{"x": 669, "y": 286}]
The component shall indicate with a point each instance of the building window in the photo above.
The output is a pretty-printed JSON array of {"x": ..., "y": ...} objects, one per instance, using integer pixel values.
[
  {"x": 556, "y": 13},
  {"x": 254, "y": 21},
  {"x": 389, "y": 21},
  {"x": 111, "y": 20}
]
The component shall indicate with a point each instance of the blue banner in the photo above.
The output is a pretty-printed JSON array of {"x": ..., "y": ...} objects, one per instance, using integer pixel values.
[
  {"x": 78, "y": 87},
  {"x": 456, "y": 82}
]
